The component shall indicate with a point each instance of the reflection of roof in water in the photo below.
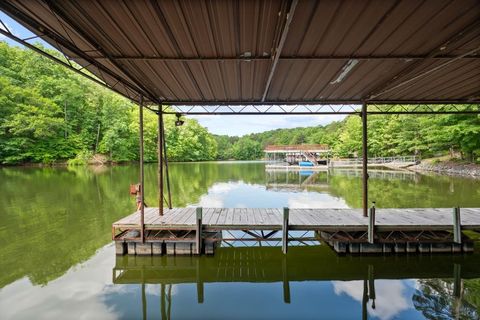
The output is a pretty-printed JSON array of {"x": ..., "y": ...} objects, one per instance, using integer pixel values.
[{"x": 297, "y": 187}]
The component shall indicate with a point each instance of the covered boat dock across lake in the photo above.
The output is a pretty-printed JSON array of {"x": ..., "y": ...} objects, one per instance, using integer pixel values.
[
  {"x": 276, "y": 57},
  {"x": 311, "y": 155}
]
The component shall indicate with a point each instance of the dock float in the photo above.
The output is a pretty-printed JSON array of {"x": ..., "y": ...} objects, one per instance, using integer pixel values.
[{"x": 388, "y": 231}]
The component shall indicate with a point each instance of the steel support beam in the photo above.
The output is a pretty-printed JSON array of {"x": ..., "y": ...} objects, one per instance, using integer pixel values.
[
  {"x": 165, "y": 159},
  {"x": 379, "y": 90},
  {"x": 285, "y": 58},
  {"x": 160, "y": 163},
  {"x": 63, "y": 43},
  {"x": 57, "y": 10},
  {"x": 142, "y": 175},
  {"x": 279, "y": 48},
  {"x": 424, "y": 73},
  {"x": 364, "y": 160}
]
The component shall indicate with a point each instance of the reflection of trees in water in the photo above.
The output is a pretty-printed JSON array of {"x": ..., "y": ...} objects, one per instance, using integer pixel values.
[
  {"x": 435, "y": 299},
  {"x": 54, "y": 218},
  {"x": 42, "y": 209},
  {"x": 425, "y": 191}
]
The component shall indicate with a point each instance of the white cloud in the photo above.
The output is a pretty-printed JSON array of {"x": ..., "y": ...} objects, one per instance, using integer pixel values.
[
  {"x": 77, "y": 293},
  {"x": 309, "y": 200},
  {"x": 216, "y": 194},
  {"x": 2, "y": 27},
  {"x": 390, "y": 296},
  {"x": 239, "y": 125}
]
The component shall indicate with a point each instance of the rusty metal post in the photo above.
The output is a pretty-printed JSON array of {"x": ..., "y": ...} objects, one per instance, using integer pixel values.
[
  {"x": 160, "y": 161},
  {"x": 198, "y": 230},
  {"x": 365, "y": 160},
  {"x": 142, "y": 176},
  {"x": 457, "y": 226},
  {"x": 286, "y": 213},
  {"x": 371, "y": 224},
  {"x": 165, "y": 158}
]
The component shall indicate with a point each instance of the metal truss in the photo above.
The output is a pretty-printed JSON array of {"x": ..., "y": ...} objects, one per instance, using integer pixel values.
[
  {"x": 423, "y": 108},
  {"x": 265, "y": 109},
  {"x": 326, "y": 108},
  {"x": 391, "y": 236},
  {"x": 253, "y": 238},
  {"x": 132, "y": 89}
]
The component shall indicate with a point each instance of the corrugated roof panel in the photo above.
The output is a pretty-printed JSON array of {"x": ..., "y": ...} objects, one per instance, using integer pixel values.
[
  {"x": 220, "y": 51},
  {"x": 319, "y": 73},
  {"x": 434, "y": 83},
  {"x": 368, "y": 76}
]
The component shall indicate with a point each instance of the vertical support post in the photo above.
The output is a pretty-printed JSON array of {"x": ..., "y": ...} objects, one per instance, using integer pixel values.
[
  {"x": 163, "y": 302},
  {"x": 286, "y": 212},
  {"x": 371, "y": 224},
  {"x": 198, "y": 235},
  {"x": 286, "y": 283},
  {"x": 165, "y": 159},
  {"x": 160, "y": 161},
  {"x": 457, "y": 280},
  {"x": 371, "y": 285},
  {"x": 364, "y": 159},
  {"x": 144, "y": 301},
  {"x": 200, "y": 294},
  {"x": 457, "y": 289},
  {"x": 365, "y": 300},
  {"x": 200, "y": 289},
  {"x": 457, "y": 226},
  {"x": 142, "y": 175}
]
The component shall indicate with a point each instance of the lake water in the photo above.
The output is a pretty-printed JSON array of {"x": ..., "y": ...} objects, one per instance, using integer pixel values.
[{"x": 57, "y": 260}]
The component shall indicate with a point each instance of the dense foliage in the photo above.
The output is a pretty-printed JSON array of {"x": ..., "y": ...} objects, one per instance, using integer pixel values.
[
  {"x": 422, "y": 135},
  {"x": 48, "y": 114}
]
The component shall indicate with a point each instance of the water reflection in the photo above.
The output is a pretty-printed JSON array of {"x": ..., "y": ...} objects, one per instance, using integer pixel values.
[
  {"x": 55, "y": 219},
  {"x": 372, "y": 287}
]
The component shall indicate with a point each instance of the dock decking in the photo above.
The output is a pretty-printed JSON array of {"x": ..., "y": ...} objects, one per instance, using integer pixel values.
[
  {"x": 196, "y": 230},
  {"x": 216, "y": 219}
]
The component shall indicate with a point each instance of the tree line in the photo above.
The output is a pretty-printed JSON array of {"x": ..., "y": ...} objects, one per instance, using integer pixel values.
[
  {"x": 388, "y": 135},
  {"x": 50, "y": 114}
]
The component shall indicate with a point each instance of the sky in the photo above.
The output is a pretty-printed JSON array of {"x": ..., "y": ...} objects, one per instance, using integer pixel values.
[
  {"x": 241, "y": 125},
  {"x": 223, "y": 125}
]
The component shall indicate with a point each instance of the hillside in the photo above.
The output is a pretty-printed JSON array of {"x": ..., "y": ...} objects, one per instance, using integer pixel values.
[{"x": 49, "y": 114}]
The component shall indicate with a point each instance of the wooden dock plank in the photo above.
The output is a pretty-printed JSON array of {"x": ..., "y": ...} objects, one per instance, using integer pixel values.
[
  {"x": 207, "y": 215},
  {"x": 222, "y": 217},
  {"x": 387, "y": 219},
  {"x": 211, "y": 216}
]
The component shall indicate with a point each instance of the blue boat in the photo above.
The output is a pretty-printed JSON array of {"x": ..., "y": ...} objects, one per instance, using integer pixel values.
[{"x": 305, "y": 164}]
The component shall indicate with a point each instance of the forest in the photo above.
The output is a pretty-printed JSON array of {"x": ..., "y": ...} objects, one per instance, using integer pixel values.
[{"x": 48, "y": 114}]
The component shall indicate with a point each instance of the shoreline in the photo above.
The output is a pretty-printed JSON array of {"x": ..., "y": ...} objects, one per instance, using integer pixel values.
[{"x": 450, "y": 168}]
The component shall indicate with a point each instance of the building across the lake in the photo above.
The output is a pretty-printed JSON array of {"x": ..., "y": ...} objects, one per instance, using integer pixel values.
[{"x": 301, "y": 155}]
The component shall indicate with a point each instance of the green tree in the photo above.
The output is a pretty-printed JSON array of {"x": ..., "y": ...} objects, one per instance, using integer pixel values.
[{"x": 247, "y": 149}]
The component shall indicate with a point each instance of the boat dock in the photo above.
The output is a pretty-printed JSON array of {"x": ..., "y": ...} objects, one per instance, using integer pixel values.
[{"x": 199, "y": 230}]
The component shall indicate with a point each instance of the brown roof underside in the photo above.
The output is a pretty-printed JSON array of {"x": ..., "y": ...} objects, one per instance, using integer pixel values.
[{"x": 213, "y": 52}]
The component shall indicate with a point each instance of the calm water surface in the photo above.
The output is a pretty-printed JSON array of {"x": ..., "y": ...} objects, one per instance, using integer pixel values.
[{"x": 57, "y": 260}]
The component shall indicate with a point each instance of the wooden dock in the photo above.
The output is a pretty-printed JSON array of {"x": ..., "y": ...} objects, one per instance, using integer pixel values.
[{"x": 344, "y": 229}]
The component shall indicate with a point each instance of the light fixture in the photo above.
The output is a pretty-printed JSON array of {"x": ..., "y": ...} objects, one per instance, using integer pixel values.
[
  {"x": 179, "y": 121},
  {"x": 345, "y": 70}
]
